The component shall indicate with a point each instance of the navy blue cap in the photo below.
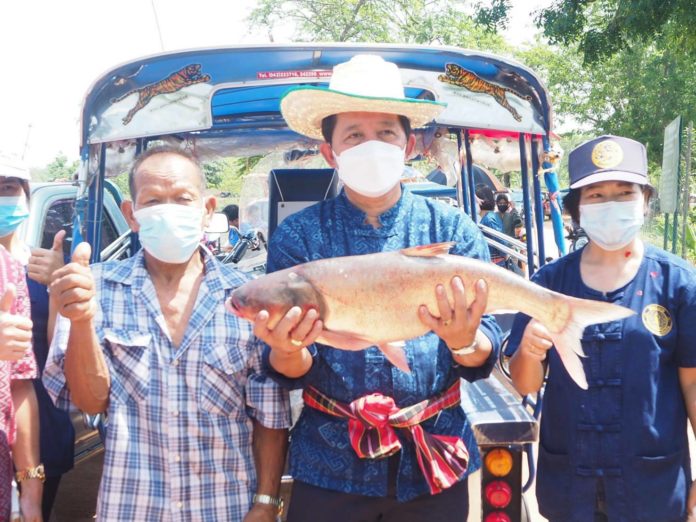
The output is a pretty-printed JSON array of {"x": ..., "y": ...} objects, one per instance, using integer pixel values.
[{"x": 608, "y": 158}]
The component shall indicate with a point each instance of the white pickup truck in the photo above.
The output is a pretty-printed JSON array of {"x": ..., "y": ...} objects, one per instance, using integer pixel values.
[{"x": 52, "y": 209}]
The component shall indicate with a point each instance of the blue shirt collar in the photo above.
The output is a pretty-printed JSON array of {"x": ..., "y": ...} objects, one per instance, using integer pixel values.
[{"x": 356, "y": 218}]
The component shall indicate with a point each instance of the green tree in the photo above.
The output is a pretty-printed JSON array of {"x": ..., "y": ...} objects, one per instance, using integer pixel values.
[
  {"x": 602, "y": 28},
  {"x": 441, "y": 22},
  {"x": 59, "y": 169},
  {"x": 635, "y": 93},
  {"x": 214, "y": 172}
]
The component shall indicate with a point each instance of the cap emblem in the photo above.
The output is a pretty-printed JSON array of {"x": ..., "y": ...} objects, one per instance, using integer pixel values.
[{"x": 607, "y": 154}]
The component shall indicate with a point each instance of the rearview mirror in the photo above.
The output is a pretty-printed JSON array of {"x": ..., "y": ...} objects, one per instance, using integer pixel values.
[{"x": 218, "y": 224}]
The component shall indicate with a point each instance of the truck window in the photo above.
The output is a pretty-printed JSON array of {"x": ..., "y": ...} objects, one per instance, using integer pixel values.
[{"x": 59, "y": 217}]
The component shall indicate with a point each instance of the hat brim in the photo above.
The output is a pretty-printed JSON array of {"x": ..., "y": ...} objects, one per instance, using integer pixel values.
[
  {"x": 305, "y": 107},
  {"x": 611, "y": 175}
]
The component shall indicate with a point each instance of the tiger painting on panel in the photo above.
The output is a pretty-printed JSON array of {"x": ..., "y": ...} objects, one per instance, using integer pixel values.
[
  {"x": 457, "y": 75},
  {"x": 189, "y": 75}
]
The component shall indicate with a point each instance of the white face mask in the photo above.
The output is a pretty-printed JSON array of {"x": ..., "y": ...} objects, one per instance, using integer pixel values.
[
  {"x": 614, "y": 224},
  {"x": 372, "y": 168},
  {"x": 170, "y": 232}
]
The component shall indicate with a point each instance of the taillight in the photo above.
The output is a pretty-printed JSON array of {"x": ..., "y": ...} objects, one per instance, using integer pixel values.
[
  {"x": 501, "y": 484},
  {"x": 498, "y": 462},
  {"x": 498, "y": 493}
]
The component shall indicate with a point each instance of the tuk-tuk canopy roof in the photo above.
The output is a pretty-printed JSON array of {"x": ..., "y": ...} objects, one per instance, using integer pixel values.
[{"x": 234, "y": 92}]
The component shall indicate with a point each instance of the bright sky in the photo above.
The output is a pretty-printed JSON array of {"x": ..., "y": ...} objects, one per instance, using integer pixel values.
[{"x": 52, "y": 51}]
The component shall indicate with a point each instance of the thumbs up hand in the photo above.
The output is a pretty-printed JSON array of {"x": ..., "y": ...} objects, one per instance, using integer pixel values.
[
  {"x": 73, "y": 286},
  {"x": 43, "y": 262},
  {"x": 15, "y": 330}
]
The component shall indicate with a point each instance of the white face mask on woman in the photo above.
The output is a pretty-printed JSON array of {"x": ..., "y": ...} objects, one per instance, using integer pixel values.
[
  {"x": 613, "y": 224},
  {"x": 372, "y": 168},
  {"x": 170, "y": 232}
]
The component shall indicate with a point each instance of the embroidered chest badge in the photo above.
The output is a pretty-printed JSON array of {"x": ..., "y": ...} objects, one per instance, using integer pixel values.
[{"x": 657, "y": 319}]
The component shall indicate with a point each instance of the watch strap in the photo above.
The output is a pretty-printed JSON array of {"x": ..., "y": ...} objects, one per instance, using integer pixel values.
[
  {"x": 37, "y": 472},
  {"x": 465, "y": 350},
  {"x": 269, "y": 500}
]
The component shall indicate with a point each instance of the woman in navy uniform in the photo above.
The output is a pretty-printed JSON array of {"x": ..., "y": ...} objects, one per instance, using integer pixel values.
[{"x": 617, "y": 451}]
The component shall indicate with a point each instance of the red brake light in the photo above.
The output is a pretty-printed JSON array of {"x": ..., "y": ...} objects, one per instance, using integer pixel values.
[
  {"x": 498, "y": 516},
  {"x": 498, "y": 493}
]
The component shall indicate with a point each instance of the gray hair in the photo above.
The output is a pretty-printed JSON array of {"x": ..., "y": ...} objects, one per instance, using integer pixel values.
[{"x": 164, "y": 149}]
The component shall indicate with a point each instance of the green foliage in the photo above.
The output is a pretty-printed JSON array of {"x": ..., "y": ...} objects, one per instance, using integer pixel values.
[
  {"x": 603, "y": 28},
  {"x": 635, "y": 93},
  {"x": 407, "y": 21},
  {"x": 59, "y": 169},
  {"x": 213, "y": 171}
]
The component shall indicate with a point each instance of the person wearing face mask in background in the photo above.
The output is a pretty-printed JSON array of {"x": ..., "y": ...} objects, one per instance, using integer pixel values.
[
  {"x": 57, "y": 436},
  {"x": 617, "y": 451},
  {"x": 19, "y": 411},
  {"x": 196, "y": 431},
  {"x": 512, "y": 222},
  {"x": 366, "y": 122}
]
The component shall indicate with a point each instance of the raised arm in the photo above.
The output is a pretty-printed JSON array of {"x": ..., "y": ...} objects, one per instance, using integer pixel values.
[{"x": 86, "y": 372}]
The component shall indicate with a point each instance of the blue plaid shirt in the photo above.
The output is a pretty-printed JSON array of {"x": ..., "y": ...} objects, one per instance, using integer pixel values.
[
  {"x": 320, "y": 450},
  {"x": 179, "y": 440}
]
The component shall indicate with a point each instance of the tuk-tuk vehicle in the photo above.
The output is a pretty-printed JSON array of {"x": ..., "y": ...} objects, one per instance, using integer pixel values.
[{"x": 224, "y": 102}]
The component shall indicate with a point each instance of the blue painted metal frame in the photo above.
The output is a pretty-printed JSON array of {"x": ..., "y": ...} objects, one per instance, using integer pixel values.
[
  {"x": 527, "y": 208},
  {"x": 470, "y": 178},
  {"x": 538, "y": 203},
  {"x": 96, "y": 207}
]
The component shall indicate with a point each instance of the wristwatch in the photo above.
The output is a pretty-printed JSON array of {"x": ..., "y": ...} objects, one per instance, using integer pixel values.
[
  {"x": 465, "y": 350},
  {"x": 36, "y": 472},
  {"x": 269, "y": 501}
]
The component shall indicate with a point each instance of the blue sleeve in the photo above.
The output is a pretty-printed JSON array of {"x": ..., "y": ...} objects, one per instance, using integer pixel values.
[
  {"x": 286, "y": 249},
  {"x": 471, "y": 243},
  {"x": 686, "y": 325},
  {"x": 521, "y": 320}
]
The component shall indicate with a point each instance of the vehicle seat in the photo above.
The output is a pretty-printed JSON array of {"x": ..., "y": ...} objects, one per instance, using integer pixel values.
[{"x": 291, "y": 190}]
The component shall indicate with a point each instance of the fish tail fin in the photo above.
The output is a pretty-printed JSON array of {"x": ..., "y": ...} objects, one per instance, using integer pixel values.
[
  {"x": 394, "y": 352},
  {"x": 583, "y": 313}
]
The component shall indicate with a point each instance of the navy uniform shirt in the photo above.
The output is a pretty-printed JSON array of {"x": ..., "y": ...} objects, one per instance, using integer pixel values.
[
  {"x": 629, "y": 428},
  {"x": 320, "y": 450},
  {"x": 57, "y": 434}
]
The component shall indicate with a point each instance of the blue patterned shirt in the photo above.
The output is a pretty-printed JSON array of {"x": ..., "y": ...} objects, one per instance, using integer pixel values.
[
  {"x": 320, "y": 451},
  {"x": 179, "y": 440}
]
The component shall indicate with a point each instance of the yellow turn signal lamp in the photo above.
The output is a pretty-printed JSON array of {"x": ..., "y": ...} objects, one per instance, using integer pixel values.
[{"x": 498, "y": 462}]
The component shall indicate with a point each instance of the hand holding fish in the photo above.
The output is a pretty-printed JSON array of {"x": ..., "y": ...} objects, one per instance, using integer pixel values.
[
  {"x": 289, "y": 338},
  {"x": 536, "y": 341},
  {"x": 457, "y": 323}
]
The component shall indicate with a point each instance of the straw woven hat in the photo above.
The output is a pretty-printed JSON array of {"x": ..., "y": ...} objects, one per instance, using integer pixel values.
[{"x": 365, "y": 83}]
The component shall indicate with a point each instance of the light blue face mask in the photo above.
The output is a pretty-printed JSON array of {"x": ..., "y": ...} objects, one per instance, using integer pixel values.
[
  {"x": 13, "y": 211},
  {"x": 170, "y": 232}
]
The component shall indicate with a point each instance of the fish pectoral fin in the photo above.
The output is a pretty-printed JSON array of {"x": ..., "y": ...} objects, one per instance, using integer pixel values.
[
  {"x": 344, "y": 340},
  {"x": 394, "y": 352},
  {"x": 435, "y": 249}
]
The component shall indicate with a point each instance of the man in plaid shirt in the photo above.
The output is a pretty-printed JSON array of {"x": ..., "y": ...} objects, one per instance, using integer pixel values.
[{"x": 196, "y": 431}]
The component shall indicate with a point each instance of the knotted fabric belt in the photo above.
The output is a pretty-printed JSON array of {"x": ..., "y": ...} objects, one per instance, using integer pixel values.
[{"x": 372, "y": 422}]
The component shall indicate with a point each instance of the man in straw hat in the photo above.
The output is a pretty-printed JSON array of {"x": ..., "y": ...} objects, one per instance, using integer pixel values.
[{"x": 357, "y": 470}]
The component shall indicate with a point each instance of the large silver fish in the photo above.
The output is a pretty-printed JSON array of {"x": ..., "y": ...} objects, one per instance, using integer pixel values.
[{"x": 373, "y": 300}]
